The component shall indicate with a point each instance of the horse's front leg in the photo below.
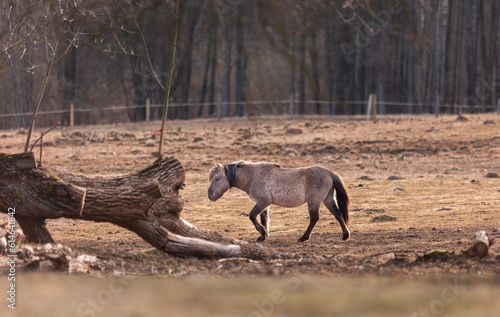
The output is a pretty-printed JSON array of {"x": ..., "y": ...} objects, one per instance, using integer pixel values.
[
  {"x": 264, "y": 219},
  {"x": 257, "y": 210}
]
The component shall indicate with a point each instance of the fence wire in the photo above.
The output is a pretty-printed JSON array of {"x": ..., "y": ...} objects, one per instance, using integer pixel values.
[{"x": 404, "y": 107}]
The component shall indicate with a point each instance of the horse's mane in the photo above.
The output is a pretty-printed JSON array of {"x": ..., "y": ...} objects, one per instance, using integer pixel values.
[
  {"x": 243, "y": 163},
  {"x": 230, "y": 169},
  {"x": 230, "y": 172}
]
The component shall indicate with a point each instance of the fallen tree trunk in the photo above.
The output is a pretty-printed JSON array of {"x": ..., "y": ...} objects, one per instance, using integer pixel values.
[{"x": 147, "y": 203}]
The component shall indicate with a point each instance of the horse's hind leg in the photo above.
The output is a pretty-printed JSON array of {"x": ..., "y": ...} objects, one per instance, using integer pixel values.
[
  {"x": 257, "y": 210},
  {"x": 264, "y": 219},
  {"x": 332, "y": 206},
  {"x": 313, "y": 219}
]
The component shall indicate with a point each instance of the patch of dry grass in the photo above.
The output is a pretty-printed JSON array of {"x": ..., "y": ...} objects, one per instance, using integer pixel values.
[{"x": 427, "y": 173}]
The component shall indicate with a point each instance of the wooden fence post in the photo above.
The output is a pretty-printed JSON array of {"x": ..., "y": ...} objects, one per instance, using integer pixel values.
[
  {"x": 219, "y": 107},
  {"x": 292, "y": 105},
  {"x": 71, "y": 114},
  {"x": 374, "y": 107},
  {"x": 436, "y": 106},
  {"x": 148, "y": 109},
  {"x": 369, "y": 107}
]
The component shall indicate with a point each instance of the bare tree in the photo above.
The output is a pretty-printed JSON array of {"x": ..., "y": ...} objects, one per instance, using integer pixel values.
[
  {"x": 54, "y": 25},
  {"x": 209, "y": 73},
  {"x": 436, "y": 7},
  {"x": 313, "y": 52},
  {"x": 242, "y": 27},
  {"x": 471, "y": 55},
  {"x": 301, "y": 85},
  {"x": 191, "y": 16}
]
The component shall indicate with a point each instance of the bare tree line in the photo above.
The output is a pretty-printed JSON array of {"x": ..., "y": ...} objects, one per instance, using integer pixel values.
[{"x": 106, "y": 53}]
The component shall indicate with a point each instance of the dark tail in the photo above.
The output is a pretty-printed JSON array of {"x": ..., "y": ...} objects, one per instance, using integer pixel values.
[{"x": 342, "y": 197}]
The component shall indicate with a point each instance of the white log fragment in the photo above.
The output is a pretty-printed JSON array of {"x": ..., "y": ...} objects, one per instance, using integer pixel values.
[{"x": 481, "y": 245}]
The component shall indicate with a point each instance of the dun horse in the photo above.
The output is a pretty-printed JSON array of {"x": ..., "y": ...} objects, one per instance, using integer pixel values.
[{"x": 268, "y": 184}]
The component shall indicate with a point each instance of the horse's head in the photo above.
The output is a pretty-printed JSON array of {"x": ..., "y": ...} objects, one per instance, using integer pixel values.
[{"x": 219, "y": 182}]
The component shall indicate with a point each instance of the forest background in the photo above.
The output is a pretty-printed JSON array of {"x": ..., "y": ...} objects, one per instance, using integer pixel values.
[{"x": 237, "y": 58}]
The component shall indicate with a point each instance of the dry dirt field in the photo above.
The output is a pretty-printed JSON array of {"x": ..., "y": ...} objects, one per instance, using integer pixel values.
[{"x": 417, "y": 185}]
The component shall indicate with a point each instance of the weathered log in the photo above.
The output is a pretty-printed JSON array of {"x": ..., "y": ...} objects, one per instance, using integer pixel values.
[
  {"x": 481, "y": 245},
  {"x": 17, "y": 162},
  {"x": 147, "y": 203}
]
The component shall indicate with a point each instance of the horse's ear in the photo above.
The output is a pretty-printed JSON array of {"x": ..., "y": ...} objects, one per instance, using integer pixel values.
[{"x": 217, "y": 165}]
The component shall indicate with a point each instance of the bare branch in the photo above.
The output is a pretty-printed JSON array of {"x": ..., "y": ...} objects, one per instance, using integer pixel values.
[
  {"x": 40, "y": 94},
  {"x": 43, "y": 134},
  {"x": 147, "y": 50},
  {"x": 169, "y": 82}
]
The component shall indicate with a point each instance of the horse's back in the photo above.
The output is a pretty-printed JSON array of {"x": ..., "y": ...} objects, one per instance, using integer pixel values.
[
  {"x": 308, "y": 175},
  {"x": 291, "y": 187}
]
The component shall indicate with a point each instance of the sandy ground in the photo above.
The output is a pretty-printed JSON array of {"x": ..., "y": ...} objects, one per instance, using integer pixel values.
[{"x": 417, "y": 184}]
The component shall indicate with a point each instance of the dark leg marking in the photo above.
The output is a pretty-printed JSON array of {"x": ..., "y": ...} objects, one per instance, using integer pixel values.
[
  {"x": 313, "y": 219},
  {"x": 257, "y": 209},
  {"x": 330, "y": 204}
]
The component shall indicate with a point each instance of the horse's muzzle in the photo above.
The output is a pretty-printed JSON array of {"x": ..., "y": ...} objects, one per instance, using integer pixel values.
[{"x": 211, "y": 196}]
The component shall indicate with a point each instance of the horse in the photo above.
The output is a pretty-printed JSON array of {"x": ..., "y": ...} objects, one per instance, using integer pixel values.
[{"x": 267, "y": 183}]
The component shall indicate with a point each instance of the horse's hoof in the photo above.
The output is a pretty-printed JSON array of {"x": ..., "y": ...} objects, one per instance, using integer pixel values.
[
  {"x": 303, "y": 239},
  {"x": 346, "y": 237},
  {"x": 260, "y": 239}
]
